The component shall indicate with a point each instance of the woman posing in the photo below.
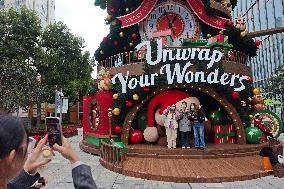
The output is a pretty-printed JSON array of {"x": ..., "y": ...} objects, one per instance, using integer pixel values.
[
  {"x": 197, "y": 118},
  {"x": 184, "y": 125}
]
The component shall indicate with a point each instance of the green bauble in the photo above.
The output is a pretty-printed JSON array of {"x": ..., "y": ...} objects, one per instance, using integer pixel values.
[
  {"x": 253, "y": 135},
  {"x": 216, "y": 117}
]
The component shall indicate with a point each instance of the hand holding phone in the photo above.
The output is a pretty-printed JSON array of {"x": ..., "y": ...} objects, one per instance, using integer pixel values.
[{"x": 54, "y": 131}]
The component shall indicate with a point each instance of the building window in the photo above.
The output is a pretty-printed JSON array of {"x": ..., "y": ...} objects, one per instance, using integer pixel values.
[{"x": 2, "y": 4}]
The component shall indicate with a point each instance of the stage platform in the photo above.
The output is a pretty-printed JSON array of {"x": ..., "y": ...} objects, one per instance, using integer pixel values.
[{"x": 217, "y": 163}]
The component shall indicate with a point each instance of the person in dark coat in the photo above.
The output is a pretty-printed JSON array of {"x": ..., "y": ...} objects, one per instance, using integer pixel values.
[
  {"x": 197, "y": 117},
  {"x": 18, "y": 172},
  {"x": 185, "y": 125}
]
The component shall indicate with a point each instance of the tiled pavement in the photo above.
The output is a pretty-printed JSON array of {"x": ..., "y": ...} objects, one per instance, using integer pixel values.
[{"x": 58, "y": 173}]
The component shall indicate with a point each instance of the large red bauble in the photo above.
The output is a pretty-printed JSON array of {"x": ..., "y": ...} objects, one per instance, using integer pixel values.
[
  {"x": 118, "y": 129},
  {"x": 230, "y": 23},
  {"x": 257, "y": 42},
  {"x": 235, "y": 95},
  {"x": 136, "y": 137}
]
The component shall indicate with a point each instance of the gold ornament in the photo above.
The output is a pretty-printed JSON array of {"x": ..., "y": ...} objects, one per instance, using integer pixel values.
[
  {"x": 209, "y": 35},
  {"x": 121, "y": 34},
  {"x": 244, "y": 33},
  {"x": 115, "y": 96},
  {"x": 256, "y": 91},
  {"x": 135, "y": 97},
  {"x": 251, "y": 117},
  {"x": 108, "y": 17},
  {"x": 221, "y": 32},
  {"x": 116, "y": 111}
]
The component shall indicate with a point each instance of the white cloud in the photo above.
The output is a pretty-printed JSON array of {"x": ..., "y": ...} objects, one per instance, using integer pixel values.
[{"x": 84, "y": 19}]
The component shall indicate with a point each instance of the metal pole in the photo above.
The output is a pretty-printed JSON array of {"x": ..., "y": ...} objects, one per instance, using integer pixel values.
[
  {"x": 61, "y": 103},
  {"x": 55, "y": 109}
]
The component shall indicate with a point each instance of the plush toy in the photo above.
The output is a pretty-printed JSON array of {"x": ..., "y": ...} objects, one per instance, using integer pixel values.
[
  {"x": 258, "y": 102},
  {"x": 104, "y": 80}
]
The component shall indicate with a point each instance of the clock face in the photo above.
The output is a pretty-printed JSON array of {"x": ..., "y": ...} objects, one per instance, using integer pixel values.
[{"x": 174, "y": 16}]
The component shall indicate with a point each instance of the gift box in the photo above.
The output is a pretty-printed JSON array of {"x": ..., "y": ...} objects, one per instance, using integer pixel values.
[{"x": 224, "y": 134}]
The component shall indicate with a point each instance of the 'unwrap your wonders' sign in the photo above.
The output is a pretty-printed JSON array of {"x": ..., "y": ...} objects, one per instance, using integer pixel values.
[{"x": 177, "y": 73}]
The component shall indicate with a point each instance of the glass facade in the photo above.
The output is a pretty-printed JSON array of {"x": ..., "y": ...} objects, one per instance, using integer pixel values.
[
  {"x": 263, "y": 15},
  {"x": 2, "y": 4}
]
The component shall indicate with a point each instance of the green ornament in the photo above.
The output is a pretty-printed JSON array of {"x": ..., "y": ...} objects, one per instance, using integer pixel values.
[
  {"x": 216, "y": 117},
  {"x": 253, "y": 135},
  {"x": 119, "y": 144}
]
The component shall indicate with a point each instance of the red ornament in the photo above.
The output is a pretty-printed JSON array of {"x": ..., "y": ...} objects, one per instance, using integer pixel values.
[
  {"x": 136, "y": 137},
  {"x": 146, "y": 89},
  {"x": 250, "y": 79},
  {"x": 230, "y": 23},
  {"x": 235, "y": 95},
  {"x": 128, "y": 103},
  {"x": 105, "y": 39},
  {"x": 113, "y": 10},
  {"x": 134, "y": 35},
  {"x": 257, "y": 42},
  {"x": 115, "y": 43},
  {"x": 118, "y": 129}
]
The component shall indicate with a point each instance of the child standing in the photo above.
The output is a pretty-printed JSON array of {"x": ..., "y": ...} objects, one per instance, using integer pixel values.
[{"x": 171, "y": 124}]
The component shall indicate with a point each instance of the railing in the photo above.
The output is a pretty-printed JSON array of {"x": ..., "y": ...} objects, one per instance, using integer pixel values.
[
  {"x": 112, "y": 155},
  {"x": 139, "y": 57}
]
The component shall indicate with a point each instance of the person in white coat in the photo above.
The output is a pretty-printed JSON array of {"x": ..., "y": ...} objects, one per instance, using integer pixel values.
[{"x": 171, "y": 125}]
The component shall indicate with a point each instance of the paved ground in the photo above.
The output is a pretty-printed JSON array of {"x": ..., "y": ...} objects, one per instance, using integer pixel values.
[{"x": 58, "y": 173}]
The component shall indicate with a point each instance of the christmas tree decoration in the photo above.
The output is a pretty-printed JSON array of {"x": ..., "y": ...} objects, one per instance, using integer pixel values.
[
  {"x": 216, "y": 117},
  {"x": 257, "y": 42},
  {"x": 235, "y": 95},
  {"x": 250, "y": 79},
  {"x": 253, "y": 135},
  {"x": 243, "y": 34},
  {"x": 118, "y": 129},
  {"x": 128, "y": 103},
  {"x": 243, "y": 103},
  {"x": 116, "y": 111},
  {"x": 221, "y": 32},
  {"x": 134, "y": 35},
  {"x": 113, "y": 10},
  {"x": 224, "y": 134},
  {"x": 131, "y": 44},
  {"x": 135, "y": 97},
  {"x": 121, "y": 34},
  {"x": 115, "y": 96},
  {"x": 136, "y": 137},
  {"x": 101, "y": 51},
  {"x": 146, "y": 89},
  {"x": 230, "y": 23},
  {"x": 127, "y": 10},
  {"x": 115, "y": 43},
  {"x": 109, "y": 17},
  {"x": 258, "y": 102},
  {"x": 209, "y": 35},
  {"x": 256, "y": 91},
  {"x": 118, "y": 144}
]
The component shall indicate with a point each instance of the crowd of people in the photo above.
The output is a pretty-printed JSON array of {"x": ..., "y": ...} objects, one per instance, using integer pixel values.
[
  {"x": 18, "y": 171},
  {"x": 187, "y": 118}
]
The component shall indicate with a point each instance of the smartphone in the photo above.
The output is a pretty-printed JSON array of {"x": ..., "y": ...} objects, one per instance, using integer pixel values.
[
  {"x": 54, "y": 131},
  {"x": 41, "y": 181}
]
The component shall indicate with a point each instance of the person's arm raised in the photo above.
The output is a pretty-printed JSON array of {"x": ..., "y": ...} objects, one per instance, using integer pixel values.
[{"x": 81, "y": 173}]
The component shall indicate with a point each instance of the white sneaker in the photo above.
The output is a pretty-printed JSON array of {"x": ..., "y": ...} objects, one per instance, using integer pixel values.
[
  {"x": 188, "y": 147},
  {"x": 183, "y": 147}
]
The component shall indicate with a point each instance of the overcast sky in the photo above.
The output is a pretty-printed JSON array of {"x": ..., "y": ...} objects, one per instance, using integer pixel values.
[{"x": 84, "y": 19}]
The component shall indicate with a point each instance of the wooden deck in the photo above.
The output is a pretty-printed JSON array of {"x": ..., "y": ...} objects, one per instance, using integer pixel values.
[{"x": 195, "y": 170}]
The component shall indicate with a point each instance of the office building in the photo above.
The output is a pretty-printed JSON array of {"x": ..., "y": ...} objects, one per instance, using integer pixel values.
[{"x": 45, "y": 9}]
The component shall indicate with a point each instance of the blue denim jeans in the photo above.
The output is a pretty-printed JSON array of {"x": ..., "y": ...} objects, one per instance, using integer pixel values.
[
  {"x": 184, "y": 139},
  {"x": 198, "y": 129}
]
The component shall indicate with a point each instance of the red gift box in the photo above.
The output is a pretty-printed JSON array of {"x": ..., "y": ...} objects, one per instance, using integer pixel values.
[{"x": 224, "y": 134}]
